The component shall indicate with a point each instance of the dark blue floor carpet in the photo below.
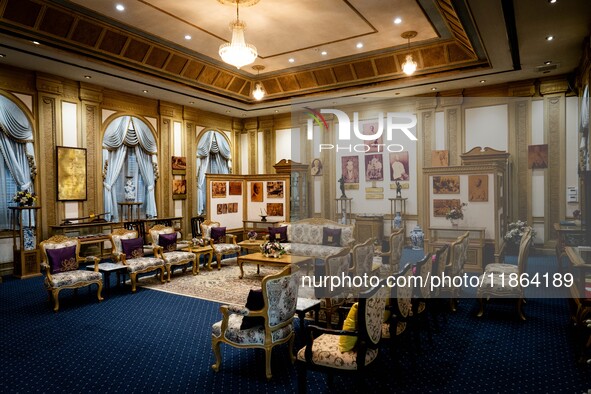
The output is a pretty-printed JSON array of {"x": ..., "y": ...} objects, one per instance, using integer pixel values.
[{"x": 153, "y": 341}]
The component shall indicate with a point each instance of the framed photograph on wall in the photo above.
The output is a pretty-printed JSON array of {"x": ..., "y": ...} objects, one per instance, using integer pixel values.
[
  {"x": 179, "y": 189},
  {"x": 218, "y": 189},
  {"x": 399, "y": 166},
  {"x": 71, "y": 173},
  {"x": 316, "y": 167},
  {"x": 275, "y": 189},
  {"x": 443, "y": 206},
  {"x": 371, "y": 129},
  {"x": 350, "y": 166},
  {"x": 537, "y": 156},
  {"x": 256, "y": 192},
  {"x": 275, "y": 209},
  {"x": 235, "y": 188},
  {"x": 446, "y": 184},
  {"x": 374, "y": 167},
  {"x": 478, "y": 188},
  {"x": 179, "y": 165}
]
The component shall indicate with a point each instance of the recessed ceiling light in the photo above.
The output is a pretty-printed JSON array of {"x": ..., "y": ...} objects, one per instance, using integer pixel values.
[
  {"x": 188, "y": 37},
  {"x": 547, "y": 62},
  {"x": 87, "y": 76},
  {"x": 36, "y": 42},
  {"x": 191, "y": 102},
  {"x": 359, "y": 45},
  {"x": 552, "y": 1},
  {"x": 482, "y": 80},
  {"x": 291, "y": 60},
  {"x": 549, "y": 38},
  {"x": 2, "y": 55},
  {"x": 433, "y": 88},
  {"x": 145, "y": 91},
  {"x": 276, "y": 111},
  {"x": 120, "y": 7},
  {"x": 397, "y": 21},
  {"x": 324, "y": 53}
]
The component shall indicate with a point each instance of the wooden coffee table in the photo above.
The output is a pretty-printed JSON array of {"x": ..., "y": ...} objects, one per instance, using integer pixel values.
[{"x": 259, "y": 259}]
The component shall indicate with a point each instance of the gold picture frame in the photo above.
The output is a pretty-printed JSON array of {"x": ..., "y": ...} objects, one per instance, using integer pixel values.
[{"x": 71, "y": 173}]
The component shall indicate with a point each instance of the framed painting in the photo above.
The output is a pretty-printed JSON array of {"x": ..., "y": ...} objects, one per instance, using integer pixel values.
[
  {"x": 439, "y": 158},
  {"x": 256, "y": 192},
  {"x": 399, "y": 166},
  {"x": 179, "y": 189},
  {"x": 442, "y": 207},
  {"x": 374, "y": 168},
  {"x": 446, "y": 184},
  {"x": 275, "y": 189},
  {"x": 179, "y": 165},
  {"x": 218, "y": 189},
  {"x": 275, "y": 209},
  {"x": 71, "y": 173},
  {"x": 350, "y": 169},
  {"x": 478, "y": 188},
  {"x": 537, "y": 156},
  {"x": 235, "y": 188}
]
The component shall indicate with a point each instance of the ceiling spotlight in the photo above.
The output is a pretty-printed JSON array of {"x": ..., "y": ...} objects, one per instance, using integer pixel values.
[
  {"x": 188, "y": 37},
  {"x": 87, "y": 76},
  {"x": 36, "y": 42},
  {"x": 433, "y": 88},
  {"x": 259, "y": 91},
  {"x": 291, "y": 60},
  {"x": 548, "y": 62},
  {"x": 549, "y": 38},
  {"x": 409, "y": 66},
  {"x": 145, "y": 91},
  {"x": 552, "y": 1},
  {"x": 237, "y": 52},
  {"x": 120, "y": 7},
  {"x": 191, "y": 102},
  {"x": 324, "y": 53},
  {"x": 359, "y": 45},
  {"x": 482, "y": 81},
  {"x": 397, "y": 21},
  {"x": 2, "y": 55}
]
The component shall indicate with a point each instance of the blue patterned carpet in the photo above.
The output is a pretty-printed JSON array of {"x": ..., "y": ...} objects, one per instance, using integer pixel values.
[{"x": 153, "y": 341}]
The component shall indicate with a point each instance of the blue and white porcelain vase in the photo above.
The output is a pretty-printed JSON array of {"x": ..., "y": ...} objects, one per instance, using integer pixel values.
[
  {"x": 397, "y": 221},
  {"x": 416, "y": 238}
]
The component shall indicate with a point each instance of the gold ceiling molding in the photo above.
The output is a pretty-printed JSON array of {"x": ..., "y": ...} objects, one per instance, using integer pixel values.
[{"x": 58, "y": 26}]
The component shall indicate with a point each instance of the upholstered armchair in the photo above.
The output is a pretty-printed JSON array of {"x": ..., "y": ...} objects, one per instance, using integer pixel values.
[
  {"x": 493, "y": 286},
  {"x": 394, "y": 255},
  {"x": 331, "y": 300},
  {"x": 164, "y": 238},
  {"x": 275, "y": 319},
  {"x": 60, "y": 260},
  {"x": 327, "y": 350},
  {"x": 455, "y": 267},
  {"x": 400, "y": 307},
  {"x": 422, "y": 294},
  {"x": 128, "y": 248},
  {"x": 363, "y": 257},
  {"x": 510, "y": 268},
  {"x": 222, "y": 243}
]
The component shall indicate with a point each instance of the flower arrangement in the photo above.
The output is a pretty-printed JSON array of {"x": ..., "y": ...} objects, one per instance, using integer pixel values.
[
  {"x": 515, "y": 231},
  {"x": 24, "y": 197},
  {"x": 456, "y": 213},
  {"x": 252, "y": 235},
  {"x": 272, "y": 249},
  {"x": 577, "y": 214},
  {"x": 198, "y": 241}
]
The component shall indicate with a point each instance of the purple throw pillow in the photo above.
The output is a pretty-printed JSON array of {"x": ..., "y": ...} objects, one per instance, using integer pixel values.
[
  {"x": 133, "y": 248},
  {"x": 331, "y": 236},
  {"x": 167, "y": 241},
  {"x": 62, "y": 259},
  {"x": 218, "y": 234},
  {"x": 254, "y": 302},
  {"x": 278, "y": 234}
]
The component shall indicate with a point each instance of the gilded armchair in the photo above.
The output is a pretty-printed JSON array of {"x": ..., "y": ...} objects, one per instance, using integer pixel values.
[
  {"x": 165, "y": 239},
  {"x": 221, "y": 243},
  {"x": 394, "y": 255},
  {"x": 61, "y": 258},
  {"x": 280, "y": 294},
  {"x": 128, "y": 248}
]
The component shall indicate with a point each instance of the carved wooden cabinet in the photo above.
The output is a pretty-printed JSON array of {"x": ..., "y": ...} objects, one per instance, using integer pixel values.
[
  {"x": 25, "y": 240},
  {"x": 299, "y": 196}
]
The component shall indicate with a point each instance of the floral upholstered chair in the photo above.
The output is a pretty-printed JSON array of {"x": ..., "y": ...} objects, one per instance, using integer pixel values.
[
  {"x": 333, "y": 351},
  {"x": 510, "y": 268},
  {"x": 400, "y": 308},
  {"x": 331, "y": 299},
  {"x": 493, "y": 285},
  {"x": 394, "y": 255},
  {"x": 222, "y": 243},
  {"x": 128, "y": 248},
  {"x": 61, "y": 256},
  {"x": 264, "y": 326},
  {"x": 363, "y": 258},
  {"x": 455, "y": 267},
  {"x": 165, "y": 239}
]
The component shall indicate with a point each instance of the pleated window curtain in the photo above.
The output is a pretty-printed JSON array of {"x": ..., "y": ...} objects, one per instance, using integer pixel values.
[{"x": 213, "y": 157}]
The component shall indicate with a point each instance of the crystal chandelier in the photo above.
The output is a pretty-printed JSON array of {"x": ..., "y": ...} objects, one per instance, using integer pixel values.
[
  {"x": 258, "y": 92},
  {"x": 237, "y": 52},
  {"x": 409, "y": 66}
]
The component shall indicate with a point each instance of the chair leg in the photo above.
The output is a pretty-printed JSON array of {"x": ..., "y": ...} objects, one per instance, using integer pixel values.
[
  {"x": 215, "y": 345},
  {"x": 99, "y": 290},
  {"x": 133, "y": 278},
  {"x": 302, "y": 377},
  {"x": 55, "y": 296},
  {"x": 219, "y": 260},
  {"x": 168, "y": 272},
  {"x": 291, "y": 341},
  {"x": 162, "y": 280},
  {"x": 268, "y": 362},
  {"x": 520, "y": 309},
  {"x": 481, "y": 311}
]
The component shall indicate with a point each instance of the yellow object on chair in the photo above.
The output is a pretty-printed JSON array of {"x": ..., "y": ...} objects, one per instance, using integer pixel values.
[{"x": 346, "y": 342}]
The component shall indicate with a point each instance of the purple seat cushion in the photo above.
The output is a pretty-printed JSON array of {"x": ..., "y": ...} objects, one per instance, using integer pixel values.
[
  {"x": 218, "y": 234},
  {"x": 278, "y": 234},
  {"x": 167, "y": 241},
  {"x": 133, "y": 248},
  {"x": 331, "y": 236},
  {"x": 254, "y": 302},
  {"x": 62, "y": 259}
]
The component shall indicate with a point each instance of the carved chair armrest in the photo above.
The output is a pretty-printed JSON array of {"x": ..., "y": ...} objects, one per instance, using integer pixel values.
[
  {"x": 92, "y": 259},
  {"x": 231, "y": 239},
  {"x": 158, "y": 251},
  {"x": 243, "y": 311}
]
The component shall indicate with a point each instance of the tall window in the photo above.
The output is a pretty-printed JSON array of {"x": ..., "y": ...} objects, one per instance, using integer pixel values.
[
  {"x": 213, "y": 157},
  {"x": 130, "y": 166},
  {"x": 17, "y": 168}
]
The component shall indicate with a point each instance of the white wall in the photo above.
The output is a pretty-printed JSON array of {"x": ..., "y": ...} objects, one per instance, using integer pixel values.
[
  {"x": 487, "y": 126},
  {"x": 283, "y": 145}
]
